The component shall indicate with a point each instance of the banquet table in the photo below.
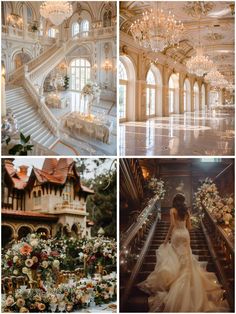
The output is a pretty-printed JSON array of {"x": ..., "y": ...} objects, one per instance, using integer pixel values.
[{"x": 90, "y": 125}]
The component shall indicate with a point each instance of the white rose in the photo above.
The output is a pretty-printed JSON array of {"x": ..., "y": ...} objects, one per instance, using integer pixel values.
[
  {"x": 44, "y": 264},
  {"x": 15, "y": 259},
  {"x": 56, "y": 263},
  {"x": 15, "y": 272}
]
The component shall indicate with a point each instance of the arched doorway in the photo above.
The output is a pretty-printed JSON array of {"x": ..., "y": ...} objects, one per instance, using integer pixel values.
[
  {"x": 80, "y": 73},
  {"x": 7, "y": 235},
  {"x": 74, "y": 230},
  {"x": 23, "y": 232},
  {"x": 196, "y": 96},
  {"x": 128, "y": 99},
  {"x": 187, "y": 95},
  {"x": 20, "y": 59},
  {"x": 174, "y": 93},
  {"x": 150, "y": 94},
  {"x": 44, "y": 233},
  {"x": 203, "y": 97}
]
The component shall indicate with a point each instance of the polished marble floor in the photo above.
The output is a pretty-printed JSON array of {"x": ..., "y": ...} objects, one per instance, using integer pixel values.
[{"x": 198, "y": 133}]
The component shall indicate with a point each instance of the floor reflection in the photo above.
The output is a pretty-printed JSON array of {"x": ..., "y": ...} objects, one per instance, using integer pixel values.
[{"x": 187, "y": 134}]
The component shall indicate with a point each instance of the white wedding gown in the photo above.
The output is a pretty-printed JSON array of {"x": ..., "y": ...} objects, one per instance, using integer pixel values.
[{"x": 179, "y": 282}]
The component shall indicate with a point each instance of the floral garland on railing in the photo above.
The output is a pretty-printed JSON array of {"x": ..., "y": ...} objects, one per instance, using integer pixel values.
[
  {"x": 207, "y": 197},
  {"x": 158, "y": 187},
  {"x": 65, "y": 298}
]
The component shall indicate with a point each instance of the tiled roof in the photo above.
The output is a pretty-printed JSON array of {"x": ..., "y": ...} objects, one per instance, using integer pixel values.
[
  {"x": 16, "y": 179},
  {"x": 49, "y": 165}
]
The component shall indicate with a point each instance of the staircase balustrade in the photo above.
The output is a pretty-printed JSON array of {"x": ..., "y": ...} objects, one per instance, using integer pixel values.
[
  {"x": 46, "y": 114},
  {"x": 40, "y": 150},
  {"x": 134, "y": 244},
  {"x": 223, "y": 252}
]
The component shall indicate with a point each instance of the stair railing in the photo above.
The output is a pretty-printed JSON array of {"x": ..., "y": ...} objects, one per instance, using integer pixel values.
[
  {"x": 215, "y": 236},
  {"x": 134, "y": 245},
  {"x": 16, "y": 74},
  {"x": 40, "y": 150},
  {"x": 45, "y": 113}
]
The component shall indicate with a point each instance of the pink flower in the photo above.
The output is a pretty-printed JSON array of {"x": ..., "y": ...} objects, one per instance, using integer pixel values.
[{"x": 26, "y": 249}]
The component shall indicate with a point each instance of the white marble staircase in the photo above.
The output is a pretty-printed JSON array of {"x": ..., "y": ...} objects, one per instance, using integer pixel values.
[{"x": 28, "y": 118}]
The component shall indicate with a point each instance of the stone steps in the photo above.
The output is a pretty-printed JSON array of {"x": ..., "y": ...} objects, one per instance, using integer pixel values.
[{"x": 28, "y": 118}]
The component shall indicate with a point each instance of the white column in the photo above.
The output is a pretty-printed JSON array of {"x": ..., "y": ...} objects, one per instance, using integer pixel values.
[{"x": 3, "y": 94}]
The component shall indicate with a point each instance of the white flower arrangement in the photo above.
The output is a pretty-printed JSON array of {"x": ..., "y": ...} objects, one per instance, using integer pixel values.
[
  {"x": 91, "y": 88},
  {"x": 158, "y": 187},
  {"x": 207, "y": 197}
]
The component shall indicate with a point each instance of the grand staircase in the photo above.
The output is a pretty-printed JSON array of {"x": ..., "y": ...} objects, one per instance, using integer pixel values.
[
  {"x": 28, "y": 118},
  {"x": 138, "y": 300}
]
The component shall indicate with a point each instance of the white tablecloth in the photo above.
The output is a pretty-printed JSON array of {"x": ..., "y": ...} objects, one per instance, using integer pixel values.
[{"x": 90, "y": 125}]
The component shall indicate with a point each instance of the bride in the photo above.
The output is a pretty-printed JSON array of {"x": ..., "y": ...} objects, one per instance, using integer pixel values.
[{"x": 179, "y": 282}]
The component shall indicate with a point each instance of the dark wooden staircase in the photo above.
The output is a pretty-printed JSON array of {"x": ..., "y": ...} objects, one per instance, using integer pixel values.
[{"x": 138, "y": 301}]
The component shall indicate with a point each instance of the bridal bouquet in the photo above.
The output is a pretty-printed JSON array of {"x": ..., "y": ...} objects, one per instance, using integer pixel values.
[
  {"x": 158, "y": 187},
  {"x": 91, "y": 88}
]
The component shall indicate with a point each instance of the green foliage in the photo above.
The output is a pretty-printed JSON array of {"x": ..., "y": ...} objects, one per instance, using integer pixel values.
[
  {"x": 102, "y": 205},
  {"x": 22, "y": 148},
  {"x": 66, "y": 82}
]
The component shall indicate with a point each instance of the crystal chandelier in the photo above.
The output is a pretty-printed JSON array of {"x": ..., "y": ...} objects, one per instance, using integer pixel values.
[
  {"x": 216, "y": 79},
  {"x": 157, "y": 30},
  {"x": 199, "y": 64},
  {"x": 56, "y": 11}
]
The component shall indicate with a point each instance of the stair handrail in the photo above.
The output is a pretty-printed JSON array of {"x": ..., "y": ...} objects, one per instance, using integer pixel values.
[
  {"x": 13, "y": 75},
  {"x": 40, "y": 150},
  {"x": 220, "y": 271},
  {"x": 48, "y": 117},
  {"x": 219, "y": 231},
  {"x": 138, "y": 264},
  {"x": 130, "y": 233}
]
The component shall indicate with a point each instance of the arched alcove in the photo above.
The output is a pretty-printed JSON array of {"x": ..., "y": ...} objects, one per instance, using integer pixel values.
[
  {"x": 7, "y": 234},
  {"x": 21, "y": 58},
  {"x": 174, "y": 93},
  {"x": 130, "y": 91},
  {"x": 23, "y": 231},
  {"x": 187, "y": 95},
  {"x": 43, "y": 231}
]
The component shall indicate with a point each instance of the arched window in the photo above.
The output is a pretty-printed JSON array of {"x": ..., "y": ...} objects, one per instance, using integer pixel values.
[
  {"x": 174, "y": 93},
  {"x": 187, "y": 95},
  {"x": 80, "y": 73},
  {"x": 123, "y": 82},
  {"x": 196, "y": 96},
  {"x": 107, "y": 16},
  {"x": 171, "y": 95},
  {"x": 52, "y": 32},
  {"x": 85, "y": 26},
  {"x": 35, "y": 199},
  {"x": 75, "y": 28},
  {"x": 203, "y": 97},
  {"x": 29, "y": 14},
  {"x": 151, "y": 94},
  {"x": 39, "y": 197}
]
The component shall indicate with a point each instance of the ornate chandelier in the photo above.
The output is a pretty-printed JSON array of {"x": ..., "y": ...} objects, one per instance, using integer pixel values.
[
  {"x": 199, "y": 64},
  {"x": 216, "y": 79},
  {"x": 56, "y": 11},
  {"x": 157, "y": 30}
]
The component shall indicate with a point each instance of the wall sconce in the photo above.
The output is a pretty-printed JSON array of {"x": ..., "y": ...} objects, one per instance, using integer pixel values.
[
  {"x": 107, "y": 66},
  {"x": 15, "y": 20},
  {"x": 95, "y": 66},
  {"x": 3, "y": 70}
]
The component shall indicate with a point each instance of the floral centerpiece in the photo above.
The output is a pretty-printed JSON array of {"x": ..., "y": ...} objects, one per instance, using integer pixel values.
[
  {"x": 90, "y": 92},
  {"x": 158, "y": 187}
]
